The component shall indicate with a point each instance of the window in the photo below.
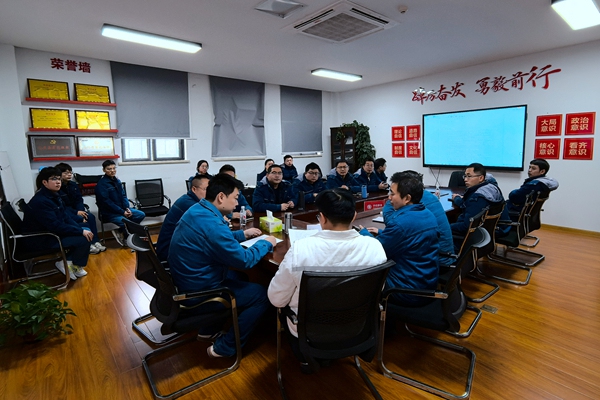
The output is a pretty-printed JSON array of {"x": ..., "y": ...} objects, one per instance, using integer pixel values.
[{"x": 152, "y": 149}]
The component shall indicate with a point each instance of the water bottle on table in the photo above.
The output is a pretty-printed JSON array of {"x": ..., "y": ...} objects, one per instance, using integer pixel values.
[{"x": 243, "y": 218}]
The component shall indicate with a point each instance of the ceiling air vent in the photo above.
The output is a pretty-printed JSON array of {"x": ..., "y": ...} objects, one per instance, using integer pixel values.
[{"x": 342, "y": 22}]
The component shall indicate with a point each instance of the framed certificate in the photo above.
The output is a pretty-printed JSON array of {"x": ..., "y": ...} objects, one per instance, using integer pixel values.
[
  {"x": 92, "y": 93},
  {"x": 50, "y": 119},
  {"x": 93, "y": 120},
  {"x": 95, "y": 146},
  {"x": 39, "y": 89},
  {"x": 52, "y": 146}
]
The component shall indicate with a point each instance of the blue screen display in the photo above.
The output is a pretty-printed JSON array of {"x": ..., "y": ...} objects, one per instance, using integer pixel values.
[{"x": 494, "y": 137}]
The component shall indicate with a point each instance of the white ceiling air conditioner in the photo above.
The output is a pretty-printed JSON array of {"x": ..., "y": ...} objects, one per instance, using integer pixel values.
[{"x": 342, "y": 22}]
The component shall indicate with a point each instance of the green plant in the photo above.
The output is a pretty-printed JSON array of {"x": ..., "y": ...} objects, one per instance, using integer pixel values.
[
  {"x": 362, "y": 142},
  {"x": 32, "y": 312}
]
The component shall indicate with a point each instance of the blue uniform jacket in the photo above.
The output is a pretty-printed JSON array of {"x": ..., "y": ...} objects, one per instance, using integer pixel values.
[
  {"x": 170, "y": 222},
  {"x": 381, "y": 176},
  {"x": 72, "y": 199},
  {"x": 543, "y": 184},
  {"x": 46, "y": 212},
  {"x": 266, "y": 198},
  {"x": 289, "y": 173},
  {"x": 432, "y": 203},
  {"x": 110, "y": 196},
  {"x": 410, "y": 238},
  {"x": 203, "y": 248},
  {"x": 309, "y": 189},
  {"x": 475, "y": 199},
  {"x": 372, "y": 181},
  {"x": 336, "y": 181}
]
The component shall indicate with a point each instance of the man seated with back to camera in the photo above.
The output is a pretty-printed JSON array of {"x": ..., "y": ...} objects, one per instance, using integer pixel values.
[
  {"x": 409, "y": 238},
  {"x": 482, "y": 191},
  {"x": 242, "y": 202},
  {"x": 367, "y": 176},
  {"x": 196, "y": 193},
  {"x": 113, "y": 203},
  {"x": 311, "y": 185},
  {"x": 336, "y": 248},
  {"x": 342, "y": 178},
  {"x": 203, "y": 248},
  {"x": 46, "y": 212},
  {"x": 537, "y": 181},
  {"x": 275, "y": 195},
  {"x": 432, "y": 203},
  {"x": 380, "y": 166}
]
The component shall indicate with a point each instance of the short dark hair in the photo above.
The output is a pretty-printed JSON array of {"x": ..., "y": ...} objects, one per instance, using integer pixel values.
[
  {"x": 197, "y": 179},
  {"x": 408, "y": 185},
  {"x": 368, "y": 159},
  {"x": 227, "y": 168},
  {"x": 63, "y": 167},
  {"x": 222, "y": 183},
  {"x": 312, "y": 165},
  {"x": 409, "y": 173},
  {"x": 45, "y": 174},
  {"x": 478, "y": 168},
  {"x": 269, "y": 159},
  {"x": 541, "y": 164},
  {"x": 341, "y": 161},
  {"x": 274, "y": 166},
  {"x": 200, "y": 163},
  {"x": 337, "y": 205},
  {"x": 286, "y": 157},
  {"x": 380, "y": 162},
  {"x": 108, "y": 163}
]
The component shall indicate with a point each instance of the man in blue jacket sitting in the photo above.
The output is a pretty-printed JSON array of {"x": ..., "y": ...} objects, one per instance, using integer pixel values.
[
  {"x": 203, "y": 248},
  {"x": 194, "y": 195},
  {"x": 537, "y": 181},
  {"x": 311, "y": 185},
  {"x": 410, "y": 238},
  {"x": 275, "y": 195},
  {"x": 343, "y": 178},
  {"x": 367, "y": 176},
  {"x": 242, "y": 202},
  {"x": 113, "y": 203}
]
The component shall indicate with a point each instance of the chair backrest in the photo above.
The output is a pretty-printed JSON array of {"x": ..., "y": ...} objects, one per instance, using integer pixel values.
[
  {"x": 140, "y": 240},
  {"x": 11, "y": 220},
  {"x": 474, "y": 223},
  {"x": 456, "y": 179},
  {"x": 188, "y": 184},
  {"x": 338, "y": 312},
  {"x": 534, "y": 216},
  {"x": 149, "y": 192},
  {"x": 489, "y": 224}
]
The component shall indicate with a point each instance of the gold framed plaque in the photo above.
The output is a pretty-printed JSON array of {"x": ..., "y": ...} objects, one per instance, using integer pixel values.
[
  {"x": 52, "y": 90},
  {"x": 93, "y": 120},
  {"x": 95, "y": 146},
  {"x": 92, "y": 93},
  {"x": 52, "y": 146},
  {"x": 43, "y": 118}
]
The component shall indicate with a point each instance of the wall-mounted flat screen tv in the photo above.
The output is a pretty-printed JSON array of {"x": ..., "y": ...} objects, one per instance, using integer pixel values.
[{"x": 494, "y": 137}]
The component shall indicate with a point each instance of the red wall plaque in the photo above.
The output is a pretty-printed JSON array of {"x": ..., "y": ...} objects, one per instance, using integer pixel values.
[
  {"x": 578, "y": 149},
  {"x": 580, "y": 123},
  {"x": 547, "y": 148},
  {"x": 548, "y": 125},
  {"x": 413, "y": 149},
  {"x": 398, "y": 150},
  {"x": 397, "y": 133},
  {"x": 413, "y": 132},
  {"x": 374, "y": 204}
]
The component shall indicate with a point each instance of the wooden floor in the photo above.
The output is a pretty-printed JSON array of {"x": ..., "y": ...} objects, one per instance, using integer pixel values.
[{"x": 542, "y": 343}]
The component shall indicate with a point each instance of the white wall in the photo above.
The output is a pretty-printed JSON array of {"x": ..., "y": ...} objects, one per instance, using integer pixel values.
[{"x": 574, "y": 89}]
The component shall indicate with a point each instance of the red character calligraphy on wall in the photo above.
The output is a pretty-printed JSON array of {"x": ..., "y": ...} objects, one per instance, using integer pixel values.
[
  {"x": 85, "y": 67},
  {"x": 541, "y": 74},
  {"x": 455, "y": 90},
  {"x": 57, "y": 63},
  {"x": 484, "y": 85},
  {"x": 71, "y": 65},
  {"x": 442, "y": 94},
  {"x": 499, "y": 83},
  {"x": 419, "y": 96}
]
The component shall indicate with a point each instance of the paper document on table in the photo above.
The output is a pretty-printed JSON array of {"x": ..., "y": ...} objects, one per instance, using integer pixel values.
[
  {"x": 378, "y": 219},
  {"x": 297, "y": 234},
  {"x": 250, "y": 242}
]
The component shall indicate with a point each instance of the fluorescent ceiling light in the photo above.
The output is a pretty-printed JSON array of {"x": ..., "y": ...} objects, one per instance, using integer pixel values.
[
  {"x": 327, "y": 73},
  {"x": 578, "y": 14},
  {"x": 149, "y": 39}
]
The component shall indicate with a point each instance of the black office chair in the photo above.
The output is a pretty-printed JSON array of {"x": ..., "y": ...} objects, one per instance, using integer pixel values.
[
  {"x": 166, "y": 307},
  {"x": 533, "y": 222},
  {"x": 337, "y": 317},
  {"x": 102, "y": 223},
  {"x": 22, "y": 256},
  {"x": 456, "y": 179},
  {"x": 440, "y": 314},
  {"x": 188, "y": 184},
  {"x": 150, "y": 197}
]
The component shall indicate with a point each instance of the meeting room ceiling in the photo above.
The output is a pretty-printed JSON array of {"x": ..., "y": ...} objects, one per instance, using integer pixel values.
[{"x": 241, "y": 42}]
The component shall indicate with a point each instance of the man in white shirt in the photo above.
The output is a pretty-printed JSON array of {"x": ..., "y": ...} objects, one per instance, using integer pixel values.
[{"x": 336, "y": 248}]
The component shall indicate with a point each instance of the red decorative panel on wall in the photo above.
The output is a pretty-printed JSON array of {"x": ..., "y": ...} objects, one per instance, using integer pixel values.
[
  {"x": 413, "y": 132},
  {"x": 547, "y": 148},
  {"x": 548, "y": 125},
  {"x": 397, "y": 133},
  {"x": 413, "y": 149},
  {"x": 398, "y": 150},
  {"x": 580, "y": 123},
  {"x": 578, "y": 149}
]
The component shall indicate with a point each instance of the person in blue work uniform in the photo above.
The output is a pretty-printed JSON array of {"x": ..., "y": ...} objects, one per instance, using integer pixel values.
[
  {"x": 380, "y": 166},
  {"x": 311, "y": 185},
  {"x": 196, "y": 193},
  {"x": 46, "y": 212},
  {"x": 275, "y": 195},
  {"x": 410, "y": 238},
  {"x": 342, "y": 178},
  {"x": 113, "y": 203},
  {"x": 263, "y": 173},
  {"x": 242, "y": 202},
  {"x": 289, "y": 170},
  {"x": 367, "y": 176},
  {"x": 537, "y": 181},
  {"x": 203, "y": 248}
]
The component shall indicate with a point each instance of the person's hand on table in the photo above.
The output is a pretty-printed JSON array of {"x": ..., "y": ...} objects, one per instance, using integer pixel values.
[
  {"x": 345, "y": 187},
  {"x": 383, "y": 185},
  {"x": 252, "y": 232},
  {"x": 248, "y": 213},
  {"x": 285, "y": 206},
  {"x": 291, "y": 204},
  {"x": 271, "y": 239},
  {"x": 235, "y": 215},
  {"x": 372, "y": 231},
  {"x": 455, "y": 195}
]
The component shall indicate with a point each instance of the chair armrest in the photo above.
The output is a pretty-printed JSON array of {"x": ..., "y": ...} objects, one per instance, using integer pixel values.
[
  {"x": 26, "y": 235},
  {"x": 168, "y": 199},
  {"x": 289, "y": 313},
  {"x": 506, "y": 222},
  {"x": 433, "y": 294},
  {"x": 218, "y": 292},
  {"x": 448, "y": 254}
]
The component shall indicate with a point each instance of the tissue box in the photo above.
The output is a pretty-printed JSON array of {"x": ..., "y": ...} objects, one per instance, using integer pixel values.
[{"x": 270, "y": 226}]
